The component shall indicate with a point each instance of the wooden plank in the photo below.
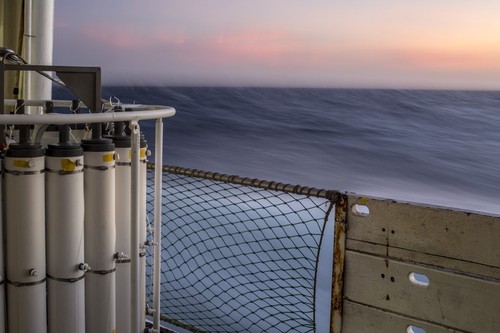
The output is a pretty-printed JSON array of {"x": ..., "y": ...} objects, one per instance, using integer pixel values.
[
  {"x": 448, "y": 263},
  {"x": 426, "y": 259},
  {"x": 452, "y": 300},
  {"x": 370, "y": 248},
  {"x": 361, "y": 318},
  {"x": 430, "y": 230}
]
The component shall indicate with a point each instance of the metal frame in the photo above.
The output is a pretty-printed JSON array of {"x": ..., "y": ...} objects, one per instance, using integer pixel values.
[
  {"x": 157, "y": 226},
  {"x": 157, "y": 113},
  {"x": 85, "y": 82}
]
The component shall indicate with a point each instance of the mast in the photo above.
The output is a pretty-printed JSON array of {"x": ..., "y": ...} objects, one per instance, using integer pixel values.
[
  {"x": 11, "y": 18},
  {"x": 29, "y": 31},
  {"x": 42, "y": 43}
]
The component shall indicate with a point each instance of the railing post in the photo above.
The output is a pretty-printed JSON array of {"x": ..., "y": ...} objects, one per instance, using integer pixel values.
[
  {"x": 338, "y": 263},
  {"x": 157, "y": 225},
  {"x": 134, "y": 229}
]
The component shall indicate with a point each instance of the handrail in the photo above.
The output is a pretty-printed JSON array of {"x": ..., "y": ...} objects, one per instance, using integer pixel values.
[
  {"x": 331, "y": 195},
  {"x": 142, "y": 112}
]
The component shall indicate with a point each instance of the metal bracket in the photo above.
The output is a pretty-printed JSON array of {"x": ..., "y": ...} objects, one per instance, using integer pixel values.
[{"x": 84, "y": 82}]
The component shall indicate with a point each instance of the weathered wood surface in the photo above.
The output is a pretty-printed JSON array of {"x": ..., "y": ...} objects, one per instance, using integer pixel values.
[
  {"x": 360, "y": 318},
  {"x": 459, "y": 252},
  {"x": 435, "y": 236},
  {"x": 452, "y": 300}
]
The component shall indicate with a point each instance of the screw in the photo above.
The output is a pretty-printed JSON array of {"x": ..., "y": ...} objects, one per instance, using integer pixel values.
[{"x": 84, "y": 267}]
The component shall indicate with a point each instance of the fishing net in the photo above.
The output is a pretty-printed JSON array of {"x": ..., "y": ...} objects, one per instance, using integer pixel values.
[{"x": 236, "y": 257}]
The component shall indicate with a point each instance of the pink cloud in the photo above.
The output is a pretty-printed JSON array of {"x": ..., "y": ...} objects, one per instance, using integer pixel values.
[
  {"x": 252, "y": 52},
  {"x": 163, "y": 36},
  {"x": 269, "y": 48},
  {"x": 113, "y": 36},
  {"x": 123, "y": 37}
]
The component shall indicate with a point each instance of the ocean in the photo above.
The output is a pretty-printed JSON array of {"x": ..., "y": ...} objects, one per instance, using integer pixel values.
[{"x": 433, "y": 147}]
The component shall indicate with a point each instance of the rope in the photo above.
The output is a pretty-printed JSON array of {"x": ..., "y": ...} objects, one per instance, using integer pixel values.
[{"x": 331, "y": 195}]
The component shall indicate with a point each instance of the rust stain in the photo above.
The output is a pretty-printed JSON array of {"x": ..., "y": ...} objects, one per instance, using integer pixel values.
[{"x": 338, "y": 264}]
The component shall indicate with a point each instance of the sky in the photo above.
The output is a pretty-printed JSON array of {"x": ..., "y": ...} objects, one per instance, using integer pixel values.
[{"x": 446, "y": 44}]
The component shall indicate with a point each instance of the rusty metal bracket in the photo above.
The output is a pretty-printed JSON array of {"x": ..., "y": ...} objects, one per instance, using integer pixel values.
[{"x": 340, "y": 230}]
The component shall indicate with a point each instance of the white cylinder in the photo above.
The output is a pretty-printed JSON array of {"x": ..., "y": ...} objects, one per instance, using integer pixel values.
[
  {"x": 71, "y": 296},
  {"x": 65, "y": 242},
  {"x": 123, "y": 239},
  {"x": 25, "y": 244},
  {"x": 100, "y": 239},
  {"x": 123, "y": 234},
  {"x": 31, "y": 304}
]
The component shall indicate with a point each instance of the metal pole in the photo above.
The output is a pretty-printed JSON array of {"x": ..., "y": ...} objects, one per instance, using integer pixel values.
[
  {"x": 28, "y": 18},
  {"x": 134, "y": 229},
  {"x": 157, "y": 219},
  {"x": 42, "y": 46}
]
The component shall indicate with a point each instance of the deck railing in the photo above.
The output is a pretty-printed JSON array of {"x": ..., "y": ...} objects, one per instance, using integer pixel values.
[{"x": 244, "y": 255}]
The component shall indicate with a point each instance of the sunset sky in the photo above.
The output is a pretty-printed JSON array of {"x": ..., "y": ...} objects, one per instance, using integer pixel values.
[{"x": 314, "y": 43}]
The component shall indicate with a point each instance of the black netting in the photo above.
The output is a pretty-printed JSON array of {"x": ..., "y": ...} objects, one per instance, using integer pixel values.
[{"x": 237, "y": 258}]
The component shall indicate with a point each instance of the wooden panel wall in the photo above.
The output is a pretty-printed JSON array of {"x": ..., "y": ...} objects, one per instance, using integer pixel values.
[{"x": 457, "y": 252}]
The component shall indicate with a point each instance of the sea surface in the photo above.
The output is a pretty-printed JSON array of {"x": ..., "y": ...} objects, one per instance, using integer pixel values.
[{"x": 434, "y": 147}]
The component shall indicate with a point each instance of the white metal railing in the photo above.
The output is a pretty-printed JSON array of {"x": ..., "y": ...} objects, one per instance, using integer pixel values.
[{"x": 139, "y": 112}]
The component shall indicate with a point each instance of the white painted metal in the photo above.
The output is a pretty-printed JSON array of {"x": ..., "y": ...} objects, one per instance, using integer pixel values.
[
  {"x": 11, "y": 19},
  {"x": 142, "y": 236},
  {"x": 2, "y": 275},
  {"x": 42, "y": 46},
  {"x": 123, "y": 240},
  {"x": 134, "y": 228},
  {"x": 144, "y": 112},
  {"x": 65, "y": 244},
  {"x": 25, "y": 244},
  {"x": 28, "y": 33},
  {"x": 41, "y": 49},
  {"x": 26, "y": 309},
  {"x": 72, "y": 295},
  {"x": 157, "y": 228},
  {"x": 100, "y": 238}
]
